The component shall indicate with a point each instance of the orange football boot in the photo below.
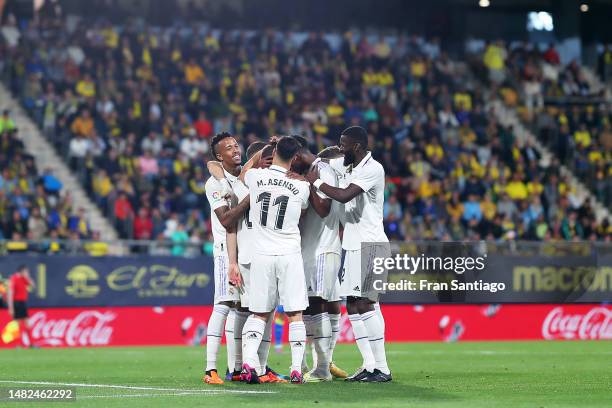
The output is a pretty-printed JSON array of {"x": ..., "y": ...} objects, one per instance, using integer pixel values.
[{"x": 212, "y": 377}]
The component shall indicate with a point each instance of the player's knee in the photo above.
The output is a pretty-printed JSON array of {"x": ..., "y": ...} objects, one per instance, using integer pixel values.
[
  {"x": 262, "y": 316},
  {"x": 294, "y": 316},
  {"x": 352, "y": 306},
  {"x": 316, "y": 305},
  {"x": 365, "y": 305},
  {"x": 333, "y": 307}
]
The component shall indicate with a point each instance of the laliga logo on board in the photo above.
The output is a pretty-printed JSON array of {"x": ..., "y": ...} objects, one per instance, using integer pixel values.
[
  {"x": 88, "y": 328},
  {"x": 593, "y": 325}
]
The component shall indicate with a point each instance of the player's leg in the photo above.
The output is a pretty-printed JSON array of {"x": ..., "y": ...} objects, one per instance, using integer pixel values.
[
  {"x": 330, "y": 292},
  {"x": 214, "y": 334},
  {"x": 251, "y": 337},
  {"x": 372, "y": 318},
  {"x": 379, "y": 312},
  {"x": 225, "y": 298},
  {"x": 21, "y": 315},
  {"x": 376, "y": 335},
  {"x": 334, "y": 313},
  {"x": 294, "y": 298},
  {"x": 262, "y": 267},
  {"x": 353, "y": 307},
  {"x": 24, "y": 332},
  {"x": 242, "y": 313},
  {"x": 350, "y": 287},
  {"x": 320, "y": 327},
  {"x": 264, "y": 348},
  {"x": 267, "y": 374},
  {"x": 230, "y": 341},
  {"x": 307, "y": 319}
]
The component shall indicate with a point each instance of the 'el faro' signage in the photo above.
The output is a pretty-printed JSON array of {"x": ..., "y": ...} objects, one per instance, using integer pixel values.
[{"x": 118, "y": 281}]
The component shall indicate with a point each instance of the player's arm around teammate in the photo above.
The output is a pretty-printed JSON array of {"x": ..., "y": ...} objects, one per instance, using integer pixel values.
[{"x": 363, "y": 195}]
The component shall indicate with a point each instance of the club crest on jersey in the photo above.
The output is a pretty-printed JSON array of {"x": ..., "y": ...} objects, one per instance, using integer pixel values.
[{"x": 216, "y": 195}]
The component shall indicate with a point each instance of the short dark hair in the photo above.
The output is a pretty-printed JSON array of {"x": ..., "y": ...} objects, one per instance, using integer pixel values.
[
  {"x": 357, "y": 134},
  {"x": 268, "y": 150},
  {"x": 21, "y": 268},
  {"x": 254, "y": 148},
  {"x": 287, "y": 147},
  {"x": 216, "y": 140},
  {"x": 301, "y": 140}
]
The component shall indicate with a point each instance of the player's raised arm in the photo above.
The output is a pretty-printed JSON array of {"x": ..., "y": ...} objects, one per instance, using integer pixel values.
[
  {"x": 215, "y": 169},
  {"x": 343, "y": 195},
  {"x": 252, "y": 163},
  {"x": 321, "y": 205},
  {"x": 353, "y": 145},
  {"x": 331, "y": 152}
]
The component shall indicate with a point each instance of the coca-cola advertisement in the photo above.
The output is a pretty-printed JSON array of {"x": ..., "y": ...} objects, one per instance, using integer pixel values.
[{"x": 186, "y": 325}]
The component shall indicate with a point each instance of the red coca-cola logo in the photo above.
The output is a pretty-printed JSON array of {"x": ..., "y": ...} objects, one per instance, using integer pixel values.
[
  {"x": 88, "y": 328},
  {"x": 592, "y": 325}
]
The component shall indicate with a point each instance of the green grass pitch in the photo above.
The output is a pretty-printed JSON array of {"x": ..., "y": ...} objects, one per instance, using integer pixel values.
[{"x": 478, "y": 374}]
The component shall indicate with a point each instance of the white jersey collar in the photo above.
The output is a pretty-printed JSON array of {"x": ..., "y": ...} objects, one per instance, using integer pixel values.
[
  {"x": 229, "y": 176},
  {"x": 278, "y": 168},
  {"x": 363, "y": 161}
]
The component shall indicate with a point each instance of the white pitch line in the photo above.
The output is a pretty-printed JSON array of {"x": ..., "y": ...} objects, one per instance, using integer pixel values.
[
  {"x": 130, "y": 387},
  {"x": 174, "y": 394},
  {"x": 491, "y": 352}
]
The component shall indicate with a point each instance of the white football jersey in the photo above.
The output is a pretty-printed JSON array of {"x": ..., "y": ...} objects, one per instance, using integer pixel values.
[
  {"x": 321, "y": 235},
  {"x": 215, "y": 195},
  {"x": 276, "y": 206},
  {"x": 363, "y": 215}
]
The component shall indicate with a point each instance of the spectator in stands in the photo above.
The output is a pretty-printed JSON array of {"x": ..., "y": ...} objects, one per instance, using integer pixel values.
[
  {"x": 456, "y": 171},
  {"x": 143, "y": 225},
  {"x": 124, "y": 215},
  {"x": 179, "y": 238}
]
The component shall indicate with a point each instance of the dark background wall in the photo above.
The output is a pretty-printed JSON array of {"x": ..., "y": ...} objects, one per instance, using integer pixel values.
[{"x": 451, "y": 20}]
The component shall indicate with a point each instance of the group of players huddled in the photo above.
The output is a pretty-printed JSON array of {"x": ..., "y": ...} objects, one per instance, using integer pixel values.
[{"x": 276, "y": 224}]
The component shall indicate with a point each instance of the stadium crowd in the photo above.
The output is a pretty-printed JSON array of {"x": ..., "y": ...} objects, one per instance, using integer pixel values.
[
  {"x": 569, "y": 116},
  {"x": 133, "y": 108},
  {"x": 33, "y": 206}
]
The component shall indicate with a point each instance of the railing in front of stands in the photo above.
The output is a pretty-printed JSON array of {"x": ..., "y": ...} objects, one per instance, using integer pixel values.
[{"x": 194, "y": 249}]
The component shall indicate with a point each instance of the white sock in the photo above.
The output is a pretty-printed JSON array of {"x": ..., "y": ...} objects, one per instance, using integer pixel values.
[
  {"x": 214, "y": 333},
  {"x": 229, "y": 339},
  {"x": 376, "y": 335},
  {"x": 321, "y": 339},
  {"x": 251, "y": 339},
  {"x": 264, "y": 348},
  {"x": 363, "y": 343},
  {"x": 239, "y": 321},
  {"x": 297, "y": 340},
  {"x": 382, "y": 318},
  {"x": 309, "y": 324},
  {"x": 334, "y": 320}
]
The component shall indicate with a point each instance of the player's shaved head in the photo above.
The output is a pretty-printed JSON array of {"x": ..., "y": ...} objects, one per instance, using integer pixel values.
[
  {"x": 357, "y": 134},
  {"x": 254, "y": 148}
]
